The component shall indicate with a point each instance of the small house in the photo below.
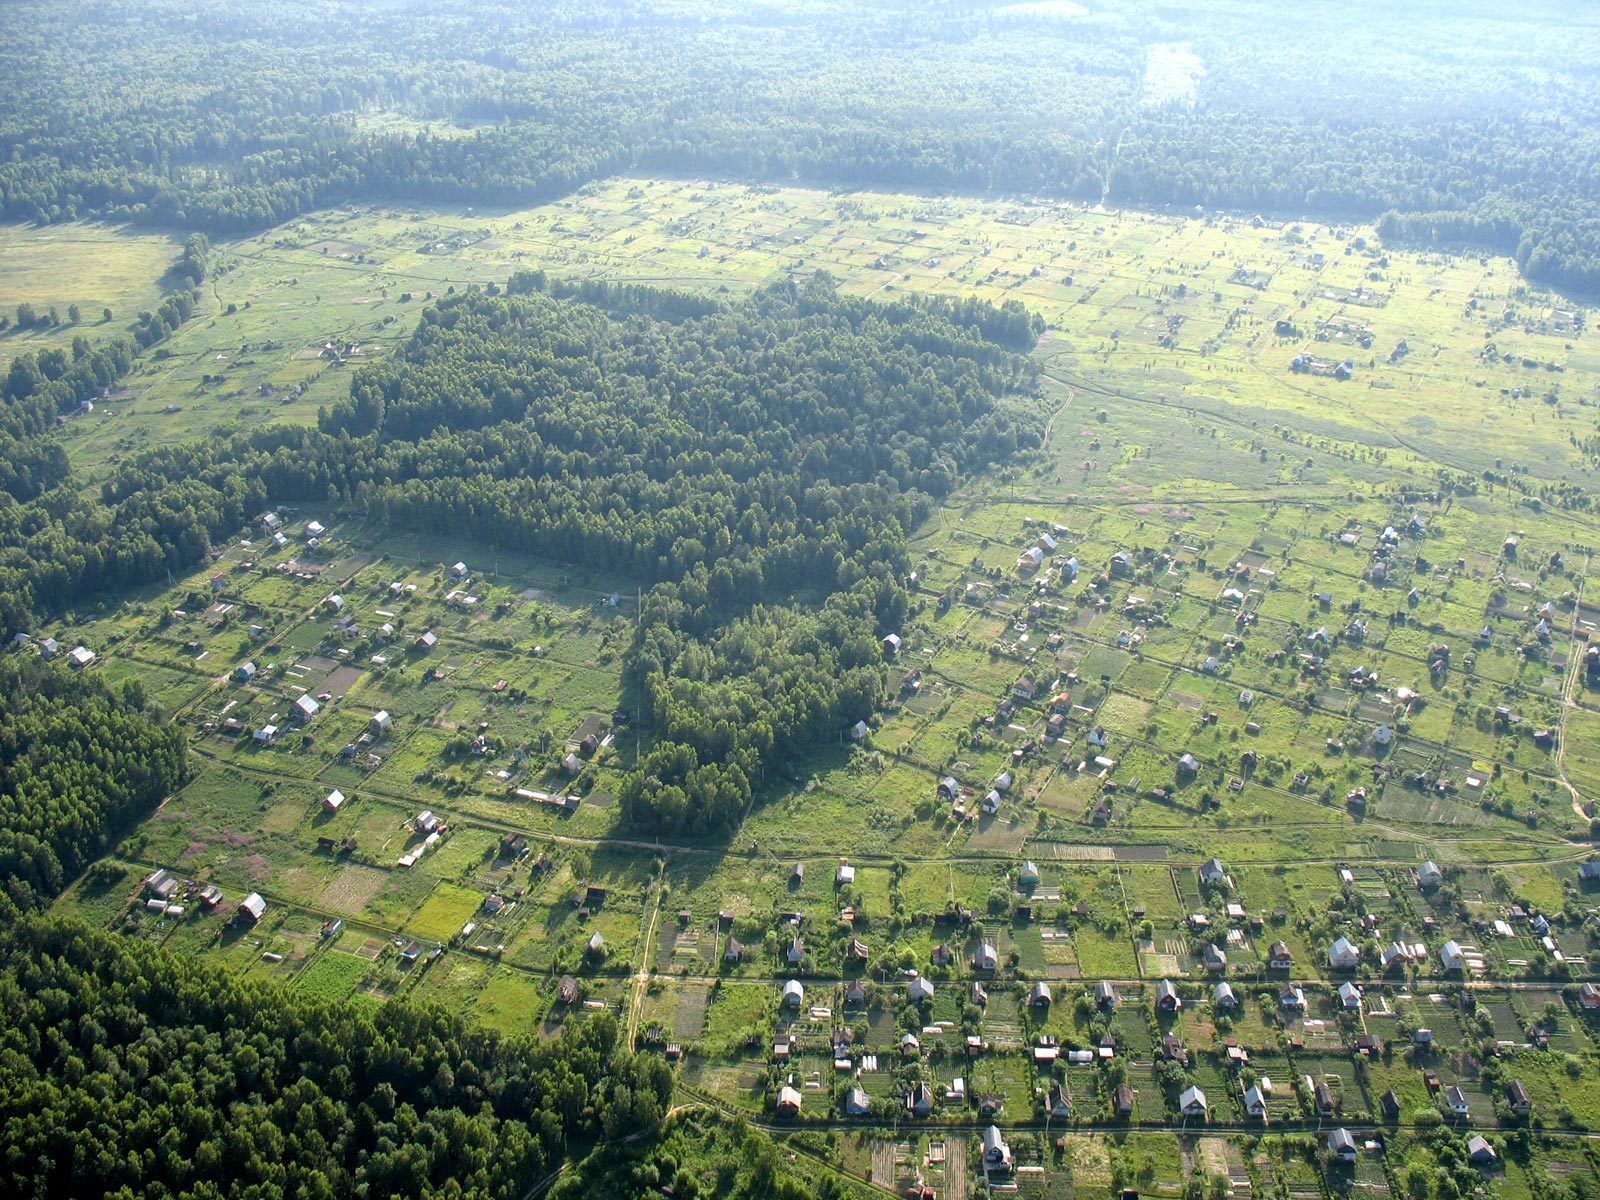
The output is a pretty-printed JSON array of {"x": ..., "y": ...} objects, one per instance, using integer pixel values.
[
  {"x": 986, "y": 958},
  {"x": 245, "y": 672},
  {"x": 80, "y": 657},
  {"x": 1279, "y": 958},
  {"x": 857, "y": 1103},
  {"x": 1429, "y": 875},
  {"x": 1343, "y": 955},
  {"x": 333, "y": 801},
  {"x": 1122, "y": 1101},
  {"x": 1479, "y": 1152},
  {"x": 1222, "y": 997},
  {"x": 1456, "y": 1101},
  {"x": 426, "y": 642},
  {"x": 919, "y": 991},
  {"x": 1290, "y": 996},
  {"x": 252, "y": 908},
  {"x": 792, "y": 994},
  {"x": 1039, "y": 995},
  {"x": 1106, "y": 998},
  {"x": 1342, "y": 1146},
  {"x": 1451, "y": 957},
  {"x": 1255, "y": 1102},
  {"x": 1349, "y": 996},
  {"x": 1028, "y": 876},
  {"x": 305, "y": 708},
  {"x": 1167, "y": 998},
  {"x": 381, "y": 723},
  {"x": 1517, "y": 1098},
  {"x": 1192, "y": 1102},
  {"x": 788, "y": 1102},
  {"x": 1212, "y": 872},
  {"x": 996, "y": 1154}
]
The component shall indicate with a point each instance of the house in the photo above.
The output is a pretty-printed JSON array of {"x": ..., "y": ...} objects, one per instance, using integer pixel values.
[
  {"x": 1039, "y": 995},
  {"x": 1002, "y": 781},
  {"x": 1057, "y": 1102},
  {"x": 1173, "y": 1050},
  {"x": 1188, "y": 765},
  {"x": 991, "y": 802},
  {"x": 732, "y": 951},
  {"x": 1167, "y": 999},
  {"x": 845, "y": 876},
  {"x": 1290, "y": 996},
  {"x": 1279, "y": 958},
  {"x": 315, "y": 529},
  {"x": 857, "y": 951},
  {"x": 1212, "y": 871},
  {"x": 919, "y": 991},
  {"x": 426, "y": 642},
  {"x": 1395, "y": 952},
  {"x": 1028, "y": 876},
  {"x": 855, "y": 992},
  {"x": 1121, "y": 562},
  {"x": 996, "y": 1154},
  {"x": 1349, "y": 995},
  {"x": 380, "y": 724},
  {"x": 891, "y": 644},
  {"x": 458, "y": 571},
  {"x": 333, "y": 801},
  {"x": 245, "y": 672},
  {"x": 792, "y": 995},
  {"x": 252, "y": 908},
  {"x": 1255, "y": 1102},
  {"x": 1342, "y": 1146},
  {"x": 1123, "y": 1101},
  {"x": 1222, "y": 996},
  {"x": 1479, "y": 1152},
  {"x": 857, "y": 1103},
  {"x": 919, "y": 1100},
  {"x": 949, "y": 789},
  {"x": 1517, "y": 1097},
  {"x": 1343, "y": 956},
  {"x": 1213, "y": 959},
  {"x": 1429, "y": 875},
  {"x": 210, "y": 897},
  {"x": 1030, "y": 559},
  {"x": 859, "y": 730},
  {"x": 306, "y": 707},
  {"x": 567, "y": 990},
  {"x": 596, "y": 944},
  {"x": 788, "y": 1102},
  {"x": 49, "y": 648},
  {"x": 334, "y": 603},
  {"x": 910, "y": 1047},
  {"x": 796, "y": 951},
  {"x": 1389, "y": 1105},
  {"x": 987, "y": 958},
  {"x": 1451, "y": 957},
  {"x": 942, "y": 956},
  {"x": 1106, "y": 998},
  {"x": 1456, "y": 1101},
  {"x": 267, "y": 735},
  {"x": 1322, "y": 1097},
  {"x": 80, "y": 657},
  {"x": 1589, "y": 997},
  {"x": 1192, "y": 1102}
]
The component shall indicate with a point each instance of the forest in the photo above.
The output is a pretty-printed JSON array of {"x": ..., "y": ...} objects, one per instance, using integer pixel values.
[
  {"x": 1471, "y": 126},
  {"x": 127, "y": 1071},
  {"x": 78, "y": 766}
]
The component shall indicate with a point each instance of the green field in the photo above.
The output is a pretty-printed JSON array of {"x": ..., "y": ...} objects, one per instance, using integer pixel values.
[{"x": 1179, "y": 435}]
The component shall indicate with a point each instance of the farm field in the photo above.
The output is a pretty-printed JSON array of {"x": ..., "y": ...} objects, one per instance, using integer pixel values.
[{"x": 1219, "y": 677}]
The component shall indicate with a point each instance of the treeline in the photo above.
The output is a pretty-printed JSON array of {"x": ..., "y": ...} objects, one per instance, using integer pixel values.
[
  {"x": 1338, "y": 113},
  {"x": 78, "y": 765},
  {"x": 129, "y": 1071},
  {"x": 699, "y": 1156}
]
